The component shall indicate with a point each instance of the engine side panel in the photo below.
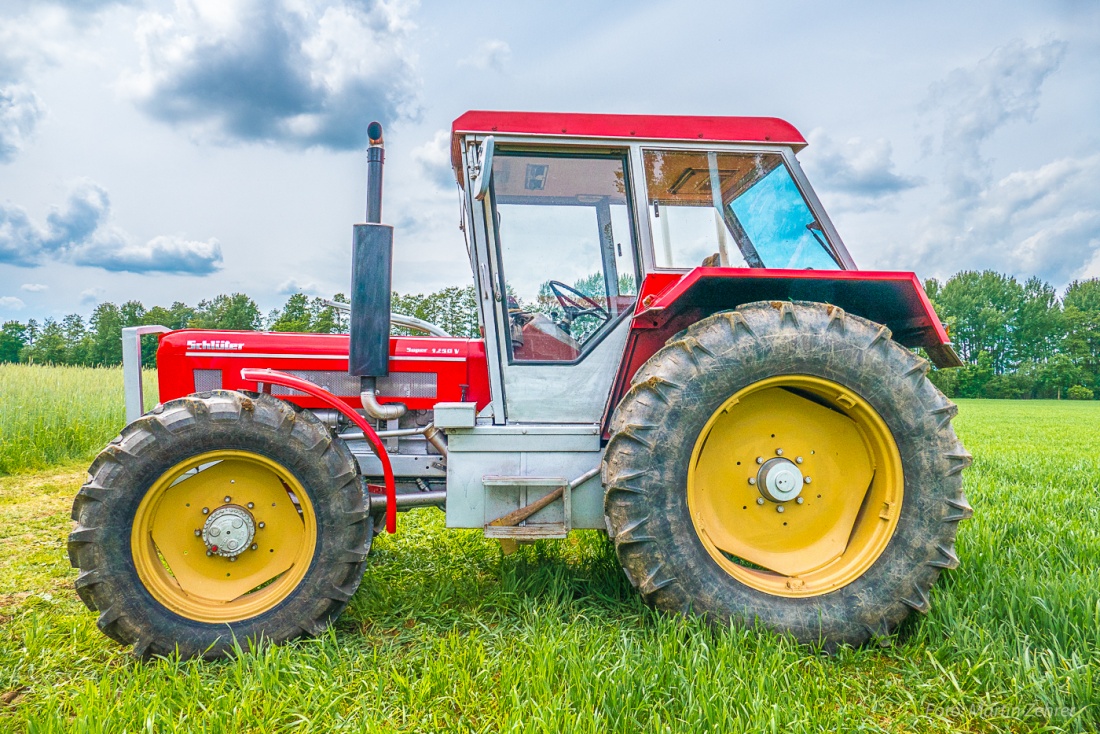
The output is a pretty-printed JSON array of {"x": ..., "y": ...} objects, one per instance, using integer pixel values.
[
  {"x": 423, "y": 370},
  {"x": 670, "y": 302}
]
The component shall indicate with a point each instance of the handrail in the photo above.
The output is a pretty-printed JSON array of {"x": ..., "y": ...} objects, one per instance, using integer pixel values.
[
  {"x": 399, "y": 319},
  {"x": 132, "y": 388},
  {"x": 274, "y": 377}
]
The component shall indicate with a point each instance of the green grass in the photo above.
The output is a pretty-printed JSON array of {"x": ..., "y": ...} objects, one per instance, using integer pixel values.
[
  {"x": 50, "y": 415},
  {"x": 446, "y": 634}
]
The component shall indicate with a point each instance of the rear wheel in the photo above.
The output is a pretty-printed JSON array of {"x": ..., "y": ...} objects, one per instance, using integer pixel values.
[
  {"x": 789, "y": 465},
  {"x": 216, "y": 517}
]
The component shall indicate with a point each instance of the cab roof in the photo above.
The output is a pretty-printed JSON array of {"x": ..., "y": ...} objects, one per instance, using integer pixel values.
[{"x": 769, "y": 130}]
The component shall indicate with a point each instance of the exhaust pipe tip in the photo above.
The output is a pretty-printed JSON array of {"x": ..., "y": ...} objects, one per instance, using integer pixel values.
[{"x": 374, "y": 133}]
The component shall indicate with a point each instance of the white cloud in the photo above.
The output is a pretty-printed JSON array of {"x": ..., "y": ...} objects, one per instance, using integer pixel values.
[
  {"x": 80, "y": 233},
  {"x": 297, "y": 73},
  {"x": 1042, "y": 221},
  {"x": 20, "y": 112},
  {"x": 11, "y": 303},
  {"x": 112, "y": 250},
  {"x": 90, "y": 296},
  {"x": 33, "y": 287},
  {"x": 292, "y": 286},
  {"x": 434, "y": 159},
  {"x": 975, "y": 102},
  {"x": 862, "y": 168},
  {"x": 491, "y": 54}
]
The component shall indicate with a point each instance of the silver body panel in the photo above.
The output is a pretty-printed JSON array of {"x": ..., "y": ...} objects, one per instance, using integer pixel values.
[
  {"x": 537, "y": 451},
  {"x": 133, "y": 390},
  {"x": 565, "y": 393}
]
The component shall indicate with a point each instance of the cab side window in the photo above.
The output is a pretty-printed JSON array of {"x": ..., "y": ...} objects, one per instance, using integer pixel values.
[
  {"x": 566, "y": 247},
  {"x": 730, "y": 210}
]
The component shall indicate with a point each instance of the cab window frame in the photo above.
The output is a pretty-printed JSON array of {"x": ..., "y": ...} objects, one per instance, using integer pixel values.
[
  {"x": 623, "y": 155},
  {"x": 834, "y": 247}
]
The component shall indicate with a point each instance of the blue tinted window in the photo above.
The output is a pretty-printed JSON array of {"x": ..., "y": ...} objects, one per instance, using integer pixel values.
[{"x": 780, "y": 225}]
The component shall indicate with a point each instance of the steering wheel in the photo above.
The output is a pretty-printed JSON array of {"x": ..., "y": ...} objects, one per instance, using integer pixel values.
[{"x": 575, "y": 303}]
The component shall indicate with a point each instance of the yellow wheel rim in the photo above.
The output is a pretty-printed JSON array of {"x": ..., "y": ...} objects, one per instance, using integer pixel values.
[
  {"x": 841, "y": 520},
  {"x": 171, "y": 556}
]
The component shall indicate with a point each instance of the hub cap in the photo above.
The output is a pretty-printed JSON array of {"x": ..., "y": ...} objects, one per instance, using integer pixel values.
[
  {"x": 229, "y": 531},
  {"x": 795, "y": 486},
  {"x": 779, "y": 480}
]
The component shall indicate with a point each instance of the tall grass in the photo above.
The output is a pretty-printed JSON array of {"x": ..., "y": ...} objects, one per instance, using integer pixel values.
[
  {"x": 446, "y": 634},
  {"x": 50, "y": 415}
]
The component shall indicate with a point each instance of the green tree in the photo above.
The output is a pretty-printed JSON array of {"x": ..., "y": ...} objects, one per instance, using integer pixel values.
[
  {"x": 106, "y": 335},
  {"x": 982, "y": 312},
  {"x": 452, "y": 309},
  {"x": 49, "y": 346},
  {"x": 1038, "y": 326},
  {"x": 236, "y": 311},
  {"x": 13, "y": 337},
  {"x": 294, "y": 316},
  {"x": 1081, "y": 318},
  {"x": 78, "y": 343},
  {"x": 1060, "y": 374},
  {"x": 324, "y": 319},
  {"x": 1083, "y": 295}
]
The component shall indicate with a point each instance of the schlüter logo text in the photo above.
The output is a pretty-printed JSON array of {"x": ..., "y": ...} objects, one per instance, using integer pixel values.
[{"x": 214, "y": 345}]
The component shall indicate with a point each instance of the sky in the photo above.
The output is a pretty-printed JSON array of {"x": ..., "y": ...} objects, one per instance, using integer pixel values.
[{"x": 171, "y": 151}]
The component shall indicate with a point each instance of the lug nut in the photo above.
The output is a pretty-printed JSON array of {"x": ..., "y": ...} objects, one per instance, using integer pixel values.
[
  {"x": 779, "y": 508},
  {"x": 228, "y": 499},
  {"x": 759, "y": 459},
  {"x": 752, "y": 480},
  {"x": 209, "y": 553},
  {"x": 206, "y": 510},
  {"x": 250, "y": 505},
  {"x": 779, "y": 452},
  {"x": 798, "y": 460},
  {"x": 255, "y": 547},
  {"x": 198, "y": 533},
  {"x": 232, "y": 559},
  {"x": 799, "y": 500},
  {"x": 759, "y": 500},
  {"x": 807, "y": 480},
  {"x": 262, "y": 525}
]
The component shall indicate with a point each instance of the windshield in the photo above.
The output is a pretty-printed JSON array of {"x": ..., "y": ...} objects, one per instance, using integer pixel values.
[{"x": 730, "y": 210}]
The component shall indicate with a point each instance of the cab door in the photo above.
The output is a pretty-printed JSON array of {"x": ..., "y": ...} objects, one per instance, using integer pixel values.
[{"x": 561, "y": 239}]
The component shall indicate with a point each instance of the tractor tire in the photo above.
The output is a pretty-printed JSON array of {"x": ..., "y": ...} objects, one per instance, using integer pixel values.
[
  {"x": 267, "y": 480},
  {"x": 790, "y": 466}
]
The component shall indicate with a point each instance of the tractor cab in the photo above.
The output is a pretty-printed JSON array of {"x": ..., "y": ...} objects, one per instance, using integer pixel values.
[{"x": 569, "y": 214}]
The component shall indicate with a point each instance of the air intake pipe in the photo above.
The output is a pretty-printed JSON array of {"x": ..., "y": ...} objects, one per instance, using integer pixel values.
[{"x": 371, "y": 264}]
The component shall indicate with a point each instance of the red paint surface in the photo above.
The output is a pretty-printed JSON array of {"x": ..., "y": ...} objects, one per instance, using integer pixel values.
[
  {"x": 767, "y": 130},
  {"x": 459, "y": 364},
  {"x": 670, "y": 302}
]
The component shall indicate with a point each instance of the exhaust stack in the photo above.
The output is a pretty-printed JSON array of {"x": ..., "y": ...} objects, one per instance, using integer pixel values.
[{"x": 371, "y": 266}]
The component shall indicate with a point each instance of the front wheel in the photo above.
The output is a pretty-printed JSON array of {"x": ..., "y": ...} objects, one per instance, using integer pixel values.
[
  {"x": 786, "y": 464},
  {"x": 219, "y": 517}
]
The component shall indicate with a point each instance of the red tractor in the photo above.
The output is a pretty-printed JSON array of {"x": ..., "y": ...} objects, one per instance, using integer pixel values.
[{"x": 676, "y": 348}]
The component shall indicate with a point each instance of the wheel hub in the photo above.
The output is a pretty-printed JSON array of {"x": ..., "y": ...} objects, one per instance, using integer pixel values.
[
  {"x": 779, "y": 480},
  {"x": 229, "y": 531}
]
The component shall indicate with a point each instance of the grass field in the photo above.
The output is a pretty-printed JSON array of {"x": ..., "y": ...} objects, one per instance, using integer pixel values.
[
  {"x": 50, "y": 415},
  {"x": 447, "y": 634}
]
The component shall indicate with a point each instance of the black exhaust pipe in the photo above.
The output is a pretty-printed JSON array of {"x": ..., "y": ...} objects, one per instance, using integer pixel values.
[{"x": 371, "y": 266}]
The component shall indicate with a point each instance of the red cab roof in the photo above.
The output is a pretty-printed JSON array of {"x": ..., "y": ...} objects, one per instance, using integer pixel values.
[{"x": 647, "y": 127}]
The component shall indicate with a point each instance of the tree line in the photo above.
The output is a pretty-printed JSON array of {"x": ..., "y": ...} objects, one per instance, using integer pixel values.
[
  {"x": 97, "y": 341},
  {"x": 1018, "y": 339}
]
